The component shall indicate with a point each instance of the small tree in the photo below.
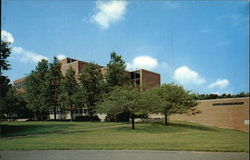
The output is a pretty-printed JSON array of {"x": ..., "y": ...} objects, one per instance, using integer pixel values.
[
  {"x": 69, "y": 88},
  {"x": 174, "y": 99},
  {"x": 127, "y": 99},
  {"x": 91, "y": 82}
]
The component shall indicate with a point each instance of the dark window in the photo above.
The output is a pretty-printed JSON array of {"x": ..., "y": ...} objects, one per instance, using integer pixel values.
[
  {"x": 227, "y": 104},
  {"x": 134, "y": 75},
  {"x": 70, "y": 60},
  {"x": 85, "y": 111}
]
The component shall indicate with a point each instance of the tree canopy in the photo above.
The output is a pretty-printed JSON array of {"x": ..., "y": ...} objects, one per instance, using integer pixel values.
[
  {"x": 174, "y": 99},
  {"x": 127, "y": 98},
  {"x": 35, "y": 91},
  {"x": 52, "y": 88},
  {"x": 115, "y": 75},
  {"x": 69, "y": 89},
  {"x": 91, "y": 82},
  {"x": 5, "y": 53}
]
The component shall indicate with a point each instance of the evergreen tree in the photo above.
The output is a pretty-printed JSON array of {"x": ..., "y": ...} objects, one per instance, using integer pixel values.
[
  {"x": 35, "y": 95},
  {"x": 91, "y": 81},
  {"x": 69, "y": 88},
  {"x": 115, "y": 75},
  {"x": 4, "y": 80},
  {"x": 51, "y": 89}
]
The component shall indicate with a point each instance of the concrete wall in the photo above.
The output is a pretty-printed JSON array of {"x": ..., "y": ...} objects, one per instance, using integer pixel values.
[{"x": 225, "y": 116}]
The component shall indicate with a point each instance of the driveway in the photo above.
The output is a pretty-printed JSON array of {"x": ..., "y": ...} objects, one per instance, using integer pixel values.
[{"x": 119, "y": 155}]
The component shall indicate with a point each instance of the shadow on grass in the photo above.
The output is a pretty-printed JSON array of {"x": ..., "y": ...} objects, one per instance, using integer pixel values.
[
  {"x": 22, "y": 130},
  {"x": 191, "y": 126},
  {"x": 172, "y": 127}
]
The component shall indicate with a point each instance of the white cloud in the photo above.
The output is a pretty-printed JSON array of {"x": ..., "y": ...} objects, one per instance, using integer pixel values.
[
  {"x": 6, "y": 36},
  {"x": 26, "y": 56},
  {"x": 186, "y": 76},
  {"x": 61, "y": 56},
  {"x": 143, "y": 62},
  {"x": 109, "y": 12},
  {"x": 220, "y": 83}
]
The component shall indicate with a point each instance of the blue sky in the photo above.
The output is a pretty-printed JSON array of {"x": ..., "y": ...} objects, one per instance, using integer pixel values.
[{"x": 201, "y": 45}]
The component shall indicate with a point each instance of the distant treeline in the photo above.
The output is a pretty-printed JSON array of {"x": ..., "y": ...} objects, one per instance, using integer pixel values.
[{"x": 216, "y": 96}]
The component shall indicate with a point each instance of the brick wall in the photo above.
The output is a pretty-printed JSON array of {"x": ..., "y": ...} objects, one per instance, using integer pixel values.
[
  {"x": 149, "y": 79},
  {"x": 233, "y": 116}
]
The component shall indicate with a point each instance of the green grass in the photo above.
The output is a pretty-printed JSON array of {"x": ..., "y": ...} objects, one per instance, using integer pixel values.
[
  {"x": 10, "y": 129},
  {"x": 147, "y": 136}
]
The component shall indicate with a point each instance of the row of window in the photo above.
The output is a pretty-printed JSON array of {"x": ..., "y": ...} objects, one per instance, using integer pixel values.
[
  {"x": 228, "y": 103},
  {"x": 73, "y": 111}
]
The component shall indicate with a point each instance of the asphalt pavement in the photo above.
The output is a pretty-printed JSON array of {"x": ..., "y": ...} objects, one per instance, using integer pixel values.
[{"x": 119, "y": 155}]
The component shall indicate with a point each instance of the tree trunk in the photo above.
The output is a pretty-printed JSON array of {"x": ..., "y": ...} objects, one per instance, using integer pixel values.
[
  {"x": 91, "y": 116},
  {"x": 35, "y": 116},
  {"x": 166, "y": 117},
  {"x": 0, "y": 127},
  {"x": 54, "y": 113},
  {"x": 71, "y": 115},
  {"x": 133, "y": 121}
]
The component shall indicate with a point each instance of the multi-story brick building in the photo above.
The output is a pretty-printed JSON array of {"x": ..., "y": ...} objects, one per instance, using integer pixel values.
[{"x": 142, "y": 76}]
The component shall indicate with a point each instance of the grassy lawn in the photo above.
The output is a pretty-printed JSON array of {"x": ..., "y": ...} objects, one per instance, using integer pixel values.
[{"x": 153, "y": 136}]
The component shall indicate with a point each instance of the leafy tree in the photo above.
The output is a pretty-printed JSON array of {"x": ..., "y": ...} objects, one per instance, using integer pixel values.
[
  {"x": 35, "y": 92},
  {"x": 5, "y": 53},
  {"x": 5, "y": 85},
  {"x": 51, "y": 90},
  {"x": 91, "y": 82},
  {"x": 242, "y": 94},
  {"x": 115, "y": 75},
  {"x": 127, "y": 99},
  {"x": 11, "y": 103},
  {"x": 69, "y": 90},
  {"x": 174, "y": 99}
]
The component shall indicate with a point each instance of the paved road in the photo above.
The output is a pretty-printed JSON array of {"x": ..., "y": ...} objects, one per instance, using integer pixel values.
[{"x": 119, "y": 155}]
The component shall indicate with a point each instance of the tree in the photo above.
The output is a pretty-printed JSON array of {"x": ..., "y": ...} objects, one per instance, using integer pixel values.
[
  {"x": 5, "y": 85},
  {"x": 127, "y": 98},
  {"x": 115, "y": 75},
  {"x": 69, "y": 88},
  {"x": 11, "y": 103},
  {"x": 91, "y": 82},
  {"x": 5, "y": 53},
  {"x": 174, "y": 99},
  {"x": 35, "y": 95},
  {"x": 51, "y": 90},
  {"x": 4, "y": 65}
]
